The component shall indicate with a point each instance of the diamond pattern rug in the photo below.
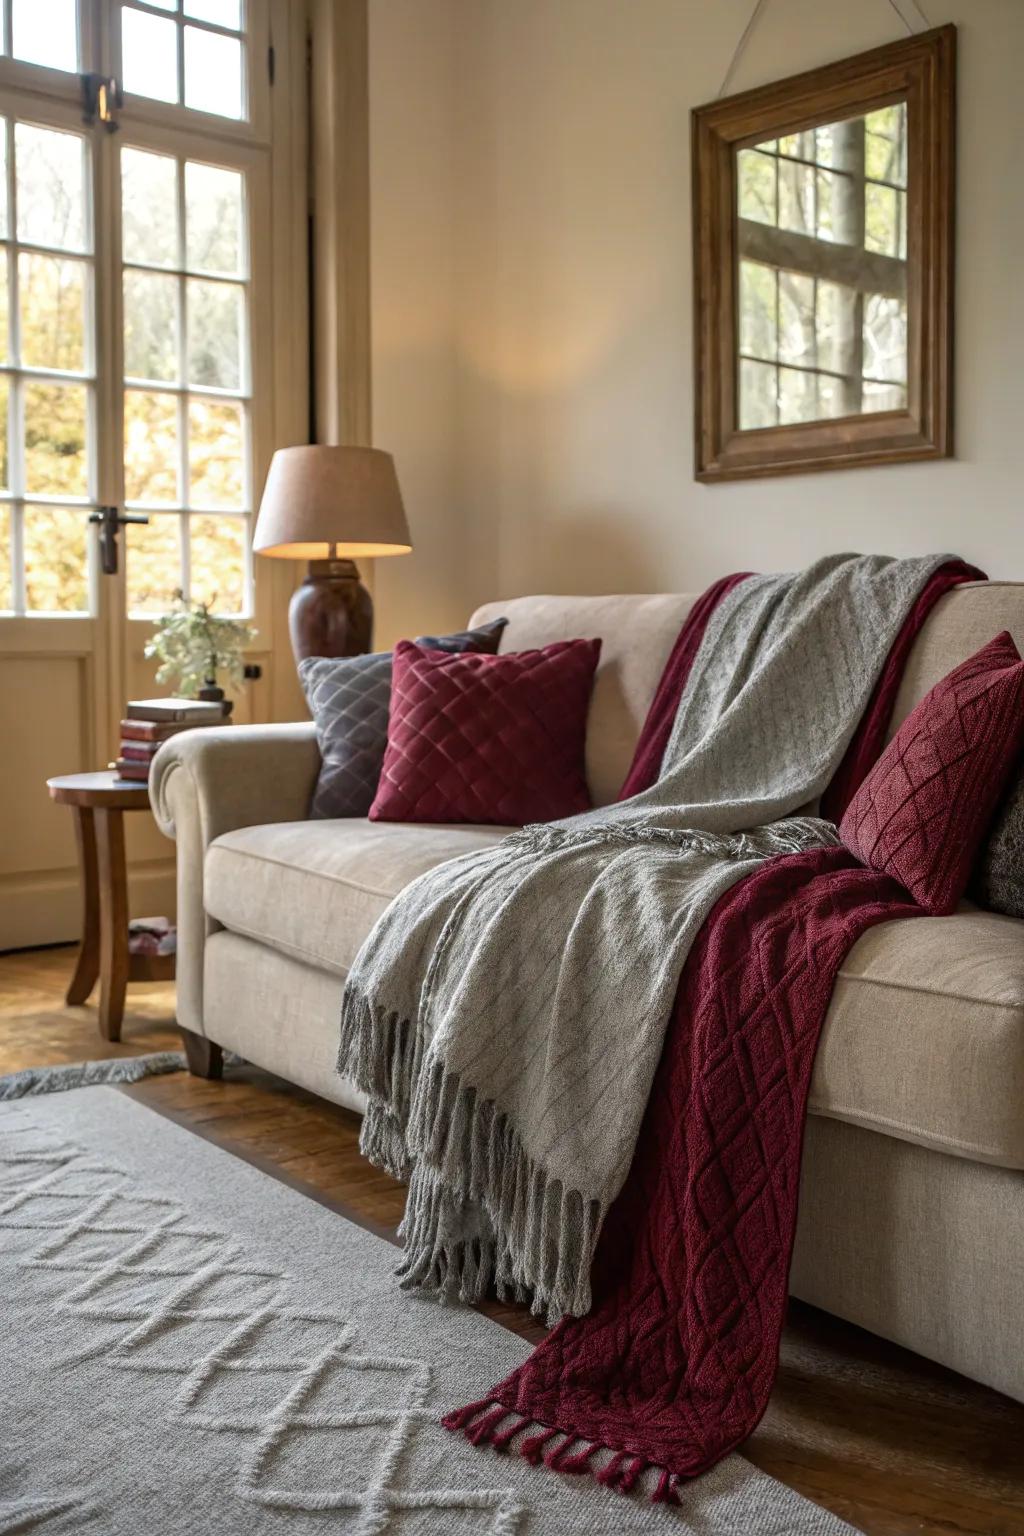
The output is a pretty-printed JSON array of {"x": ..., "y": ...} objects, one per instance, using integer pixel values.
[{"x": 189, "y": 1346}]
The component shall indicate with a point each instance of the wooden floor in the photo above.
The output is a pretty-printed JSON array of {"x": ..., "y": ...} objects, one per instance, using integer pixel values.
[{"x": 890, "y": 1442}]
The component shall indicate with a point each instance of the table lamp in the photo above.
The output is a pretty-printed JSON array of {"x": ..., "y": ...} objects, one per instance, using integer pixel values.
[{"x": 329, "y": 505}]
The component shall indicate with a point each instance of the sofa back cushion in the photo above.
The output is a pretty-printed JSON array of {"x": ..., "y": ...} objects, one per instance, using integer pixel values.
[
  {"x": 636, "y": 634},
  {"x": 960, "y": 624}
]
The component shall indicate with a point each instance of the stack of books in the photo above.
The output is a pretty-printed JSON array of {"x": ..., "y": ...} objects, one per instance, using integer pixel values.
[{"x": 148, "y": 722}]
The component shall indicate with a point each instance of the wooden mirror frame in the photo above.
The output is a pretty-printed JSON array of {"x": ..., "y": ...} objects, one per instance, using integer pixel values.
[{"x": 921, "y": 71}]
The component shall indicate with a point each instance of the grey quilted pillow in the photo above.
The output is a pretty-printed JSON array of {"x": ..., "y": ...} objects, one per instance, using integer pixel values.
[
  {"x": 998, "y": 880},
  {"x": 348, "y": 697}
]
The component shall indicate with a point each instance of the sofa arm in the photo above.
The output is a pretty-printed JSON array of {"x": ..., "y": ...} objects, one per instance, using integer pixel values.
[{"x": 206, "y": 782}]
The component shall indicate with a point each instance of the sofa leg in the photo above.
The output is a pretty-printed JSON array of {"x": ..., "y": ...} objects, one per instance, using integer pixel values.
[{"x": 205, "y": 1057}]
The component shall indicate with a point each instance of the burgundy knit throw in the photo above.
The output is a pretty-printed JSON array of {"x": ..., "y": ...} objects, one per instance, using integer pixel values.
[{"x": 672, "y": 1368}]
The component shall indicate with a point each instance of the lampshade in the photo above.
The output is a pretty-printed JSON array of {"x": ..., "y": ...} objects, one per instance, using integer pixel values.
[{"x": 321, "y": 503}]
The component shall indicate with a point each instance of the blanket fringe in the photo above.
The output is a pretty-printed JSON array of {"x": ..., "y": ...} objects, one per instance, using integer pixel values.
[
  {"x": 792, "y": 834},
  {"x": 490, "y": 1423},
  {"x": 479, "y": 1210}
]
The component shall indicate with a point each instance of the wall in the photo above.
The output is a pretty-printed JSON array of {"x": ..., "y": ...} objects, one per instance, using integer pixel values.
[
  {"x": 563, "y": 431},
  {"x": 412, "y": 63}
]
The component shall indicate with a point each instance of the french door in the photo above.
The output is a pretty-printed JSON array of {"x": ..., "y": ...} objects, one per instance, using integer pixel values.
[{"x": 138, "y": 395}]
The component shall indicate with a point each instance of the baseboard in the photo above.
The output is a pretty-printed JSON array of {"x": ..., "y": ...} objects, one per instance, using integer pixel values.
[{"x": 47, "y": 909}]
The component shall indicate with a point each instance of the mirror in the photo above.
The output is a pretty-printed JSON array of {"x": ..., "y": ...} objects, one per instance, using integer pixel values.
[{"x": 822, "y": 264}]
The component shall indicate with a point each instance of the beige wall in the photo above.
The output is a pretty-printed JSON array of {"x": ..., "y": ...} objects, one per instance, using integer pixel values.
[{"x": 531, "y": 300}]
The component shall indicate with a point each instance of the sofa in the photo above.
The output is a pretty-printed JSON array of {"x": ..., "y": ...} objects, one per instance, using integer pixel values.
[{"x": 912, "y": 1199}]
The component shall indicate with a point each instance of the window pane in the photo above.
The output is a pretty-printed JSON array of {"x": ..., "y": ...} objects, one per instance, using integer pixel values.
[
  {"x": 885, "y": 338},
  {"x": 757, "y": 310},
  {"x": 798, "y": 396},
  {"x": 6, "y": 585},
  {"x": 757, "y": 395},
  {"x": 149, "y": 55},
  {"x": 151, "y": 447},
  {"x": 4, "y": 230},
  {"x": 5, "y": 463},
  {"x": 153, "y": 563},
  {"x": 150, "y": 326},
  {"x": 213, "y": 219},
  {"x": 56, "y": 560},
  {"x": 46, "y": 32},
  {"x": 881, "y": 220},
  {"x": 885, "y": 144},
  {"x": 796, "y": 319},
  {"x": 225, "y": 13},
  {"x": 218, "y": 562},
  {"x": 215, "y": 445},
  {"x": 796, "y": 197},
  {"x": 832, "y": 397},
  {"x": 884, "y": 397},
  {"x": 55, "y": 439},
  {"x": 756, "y": 181},
  {"x": 50, "y": 170},
  {"x": 149, "y": 208},
  {"x": 213, "y": 73},
  {"x": 51, "y": 294},
  {"x": 5, "y": 334},
  {"x": 215, "y": 320},
  {"x": 799, "y": 144},
  {"x": 836, "y": 326}
]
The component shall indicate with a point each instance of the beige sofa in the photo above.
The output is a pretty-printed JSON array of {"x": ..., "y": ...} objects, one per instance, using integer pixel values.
[{"x": 912, "y": 1206}]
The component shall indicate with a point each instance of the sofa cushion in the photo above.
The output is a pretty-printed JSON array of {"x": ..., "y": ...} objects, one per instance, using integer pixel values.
[
  {"x": 636, "y": 633},
  {"x": 487, "y": 738},
  {"x": 349, "y": 697},
  {"x": 922, "y": 810},
  {"x": 924, "y": 1038},
  {"x": 314, "y": 889}
]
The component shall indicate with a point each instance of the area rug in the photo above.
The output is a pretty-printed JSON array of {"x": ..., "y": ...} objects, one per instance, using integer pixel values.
[{"x": 189, "y": 1346}]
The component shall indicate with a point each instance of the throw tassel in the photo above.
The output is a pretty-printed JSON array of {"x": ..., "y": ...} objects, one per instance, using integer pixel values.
[
  {"x": 460, "y": 1417},
  {"x": 482, "y": 1431},
  {"x": 664, "y": 1493},
  {"x": 480, "y": 1423},
  {"x": 533, "y": 1447},
  {"x": 627, "y": 1481},
  {"x": 609, "y": 1475}
]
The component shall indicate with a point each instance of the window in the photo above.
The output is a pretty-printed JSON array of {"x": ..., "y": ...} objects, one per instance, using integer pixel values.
[
  {"x": 128, "y": 299},
  {"x": 47, "y": 371},
  {"x": 822, "y": 225},
  {"x": 191, "y": 53},
  {"x": 186, "y": 380}
]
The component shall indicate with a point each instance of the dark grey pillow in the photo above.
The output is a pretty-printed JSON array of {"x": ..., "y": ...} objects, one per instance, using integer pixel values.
[
  {"x": 998, "y": 879},
  {"x": 348, "y": 697}
]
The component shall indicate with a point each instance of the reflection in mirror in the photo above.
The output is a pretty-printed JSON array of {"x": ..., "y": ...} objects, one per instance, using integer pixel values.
[{"x": 822, "y": 271}]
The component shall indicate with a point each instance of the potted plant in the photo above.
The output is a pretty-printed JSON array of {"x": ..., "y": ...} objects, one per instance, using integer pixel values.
[{"x": 194, "y": 646}]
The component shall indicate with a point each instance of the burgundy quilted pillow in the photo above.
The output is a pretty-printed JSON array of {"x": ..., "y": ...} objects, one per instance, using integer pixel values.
[
  {"x": 923, "y": 809},
  {"x": 487, "y": 738}
]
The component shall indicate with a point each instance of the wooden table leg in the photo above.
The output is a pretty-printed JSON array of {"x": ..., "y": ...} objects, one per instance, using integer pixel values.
[
  {"x": 87, "y": 966},
  {"x": 113, "y": 921}
]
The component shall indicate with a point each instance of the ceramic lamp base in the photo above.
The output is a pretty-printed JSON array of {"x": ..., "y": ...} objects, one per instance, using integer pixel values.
[{"x": 331, "y": 614}]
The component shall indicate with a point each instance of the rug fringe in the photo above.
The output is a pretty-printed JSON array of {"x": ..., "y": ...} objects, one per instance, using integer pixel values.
[{"x": 561, "y": 1451}]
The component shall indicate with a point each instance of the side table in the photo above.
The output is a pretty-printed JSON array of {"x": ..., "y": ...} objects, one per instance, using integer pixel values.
[{"x": 99, "y": 801}]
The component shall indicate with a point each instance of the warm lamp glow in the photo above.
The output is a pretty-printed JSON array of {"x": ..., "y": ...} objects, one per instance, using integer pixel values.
[{"x": 323, "y": 503}]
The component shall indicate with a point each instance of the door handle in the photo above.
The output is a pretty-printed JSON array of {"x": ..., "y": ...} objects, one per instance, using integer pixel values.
[{"x": 110, "y": 520}]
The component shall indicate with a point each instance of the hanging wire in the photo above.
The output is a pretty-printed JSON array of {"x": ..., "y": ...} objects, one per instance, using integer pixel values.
[
  {"x": 921, "y": 20},
  {"x": 915, "y": 11},
  {"x": 759, "y": 6}
]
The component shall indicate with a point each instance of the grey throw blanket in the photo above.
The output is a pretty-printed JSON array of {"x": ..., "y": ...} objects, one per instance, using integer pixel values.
[{"x": 506, "y": 1015}]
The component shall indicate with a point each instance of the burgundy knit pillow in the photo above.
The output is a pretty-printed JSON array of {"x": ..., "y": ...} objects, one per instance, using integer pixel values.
[
  {"x": 923, "y": 809},
  {"x": 487, "y": 738}
]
